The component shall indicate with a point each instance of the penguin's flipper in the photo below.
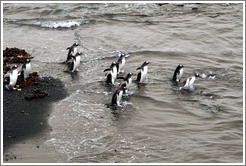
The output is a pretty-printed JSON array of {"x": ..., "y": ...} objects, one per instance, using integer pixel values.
[
  {"x": 68, "y": 48},
  {"x": 109, "y": 78},
  {"x": 139, "y": 77},
  {"x": 107, "y": 69},
  {"x": 23, "y": 66},
  {"x": 120, "y": 78},
  {"x": 174, "y": 77},
  {"x": 183, "y": 83},
  {"x": 114, "y": 98},
  {"x": 71, "y": 66},
  {"x": 22, "y": 75},
  {"x": 139, "y": 68}
]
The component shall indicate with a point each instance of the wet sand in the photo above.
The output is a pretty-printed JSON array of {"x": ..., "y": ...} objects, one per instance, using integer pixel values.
[{"x": 25, "y": 122}]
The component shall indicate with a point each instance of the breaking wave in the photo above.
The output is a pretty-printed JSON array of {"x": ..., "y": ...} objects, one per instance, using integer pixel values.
[{"x": 49, "y": 24}]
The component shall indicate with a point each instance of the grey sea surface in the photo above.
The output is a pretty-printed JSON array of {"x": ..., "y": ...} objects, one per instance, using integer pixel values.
[{"x": 158, "y": 123}]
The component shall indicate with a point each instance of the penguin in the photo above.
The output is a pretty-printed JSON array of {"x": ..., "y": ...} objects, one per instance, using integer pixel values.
[
  {"x": 75, "y": 62},
  {"x": 189, "y": 81},
  {"x": 72, "y": 51},
  {"x": 121, "y": 63},
  {"x": 117, "y": 96},
  {"x": 26, "y": 69},
  {"x": 12, "y": 79},
  {"x": 127, "y": 80},
  {"x": 142, "y": 72},
  {"x": 111, "y": 73},
  {"x": 178, "y": 73}
]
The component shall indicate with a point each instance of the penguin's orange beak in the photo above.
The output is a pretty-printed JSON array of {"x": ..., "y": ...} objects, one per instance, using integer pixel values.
[
  {"x": 117, "y": 62},
  {"x": 183, "y": 66},
  {"x": 133, "y": 74},
  {"x": 149, "y": 62}
]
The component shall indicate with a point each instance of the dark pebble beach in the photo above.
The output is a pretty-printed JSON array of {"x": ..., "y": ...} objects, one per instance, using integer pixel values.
[{"x": 27, "y": 117}]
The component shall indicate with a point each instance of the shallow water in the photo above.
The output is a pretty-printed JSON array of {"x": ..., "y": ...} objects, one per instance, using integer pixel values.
[{"x": 158, "y": 123}]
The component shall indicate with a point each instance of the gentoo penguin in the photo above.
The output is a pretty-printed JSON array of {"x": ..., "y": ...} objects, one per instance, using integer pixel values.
[
  {"x": 13, "y": 77},
  {"x": 142, "y": 72},
  {"x": 117, "y": 96},
  {"x": 75, "y": 62},
  {"x": 26, "y": 69},
  {"x": 111, "y": 73},
  {"x": 189, "y": 81},
  {"x": 127, "y": 80},
  {"x": 121, "y": 62},
  {"x": 178, "y": 73},
  {"x": 72, "y": 51}
]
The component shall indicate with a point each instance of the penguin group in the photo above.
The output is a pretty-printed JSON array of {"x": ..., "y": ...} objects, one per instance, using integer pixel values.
[
  {"x": 18, "y": 73},
  {"x": 116, "y": 68},
  {"x": 142, "y": 71},
  {"x": 73, "y": 58},
  {"x": 188, "y": 83}
]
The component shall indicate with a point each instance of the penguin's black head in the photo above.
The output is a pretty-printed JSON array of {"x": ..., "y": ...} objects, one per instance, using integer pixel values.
[
  {"x": 130, "y": 74},
  {"x": 180, "y": 66},
  {"x": 123, "y": 55},
  {"x": 198, "y": 75},
  {"x": 76, "y": 44},
  {"x": 124, "y": 88},
  {"x": 146, "y": 63},
  {"x": 28, "y": 61},
  {"x": 113, "y": 64},
  {"x": 79, "y": 53},
  {"x": 15, "y": 67}
]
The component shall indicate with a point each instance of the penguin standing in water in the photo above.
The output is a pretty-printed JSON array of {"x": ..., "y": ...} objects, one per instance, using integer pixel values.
[
  {"x": 72, "y": 51},
  {"x": 26, "y": 69},
  {"x": 121, "y": 63},
  {"x": 111, "y": 74},
  {"x": 127, "y": 80},
  {"x": 142, "y": 72},
  {"x": 75, "y": 62},
  {"x": 117, "y": 96},
  {"x": 12, "y": 79},
  {"x": 187, "y": 84},
  {"x": 178, "y": 73}
]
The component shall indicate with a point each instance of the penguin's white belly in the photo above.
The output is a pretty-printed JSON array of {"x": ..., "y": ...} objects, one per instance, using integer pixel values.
[
  {"x": 129, "y": 83},
  {"x": 114, "y": 74},
  {"x": 119, "y": 96},
  {"x": 144, "y": 73},
  {"x": 27, "y": 70},
  {"x": 180, "y": 74},
  {"x": 74, "y": 52},
  {"x": 121, "y": 66},
  {"x": 13, "y": 78},
  {"x": 190, "y": 82},
  {"x": 76, "y": 63}
]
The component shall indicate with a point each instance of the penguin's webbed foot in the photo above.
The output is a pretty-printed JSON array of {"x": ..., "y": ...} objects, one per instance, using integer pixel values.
[
  {"x": 121, "y": 105},
  {"x": 122, "y": 71},
  {"x": 7, "y": 87}
]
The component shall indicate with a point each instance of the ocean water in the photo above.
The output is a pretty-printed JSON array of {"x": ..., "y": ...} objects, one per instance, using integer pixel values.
[{"x": 158, "y": 123}]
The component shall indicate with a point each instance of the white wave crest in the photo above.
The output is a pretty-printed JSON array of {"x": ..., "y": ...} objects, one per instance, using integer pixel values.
[{"x": 62, "y": 24}]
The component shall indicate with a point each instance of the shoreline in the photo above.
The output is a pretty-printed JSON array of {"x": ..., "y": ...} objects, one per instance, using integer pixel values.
[{"x": 25, "y": 122}]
